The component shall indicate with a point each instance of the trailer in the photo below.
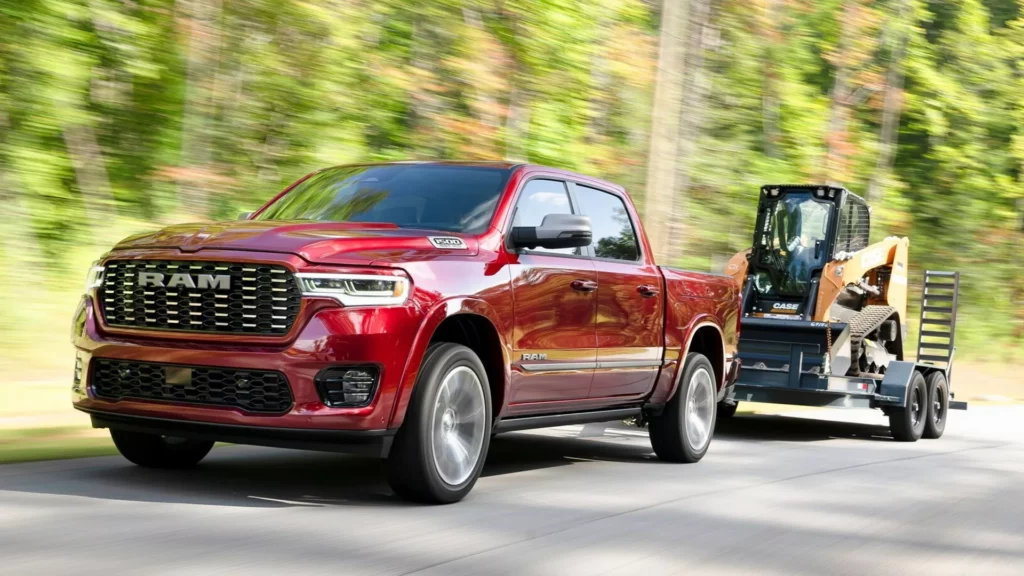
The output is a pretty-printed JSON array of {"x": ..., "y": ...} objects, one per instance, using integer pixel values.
[{"x": 789, "y": 361}]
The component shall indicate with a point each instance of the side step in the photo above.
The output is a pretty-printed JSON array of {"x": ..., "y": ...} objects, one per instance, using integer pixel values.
[{"x": 549, "y": 420}]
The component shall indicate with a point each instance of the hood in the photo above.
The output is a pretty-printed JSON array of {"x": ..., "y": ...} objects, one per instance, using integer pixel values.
[{"x": 352, "y": 243}]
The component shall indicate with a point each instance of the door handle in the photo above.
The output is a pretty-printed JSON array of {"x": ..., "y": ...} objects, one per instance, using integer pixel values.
[
  {"x": 647, "y": 291},
  {"x": 584, "y": 285}
]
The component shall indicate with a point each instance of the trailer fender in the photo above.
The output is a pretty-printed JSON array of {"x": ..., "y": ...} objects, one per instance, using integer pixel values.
[{"x": 893, "y": 389}]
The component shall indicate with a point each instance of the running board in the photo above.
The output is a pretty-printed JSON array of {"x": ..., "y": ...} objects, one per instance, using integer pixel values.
[{"x": 549, "y": 420}]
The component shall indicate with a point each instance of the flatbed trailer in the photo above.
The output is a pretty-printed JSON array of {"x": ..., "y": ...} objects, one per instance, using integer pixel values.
[{"x": 795, "y": 370}]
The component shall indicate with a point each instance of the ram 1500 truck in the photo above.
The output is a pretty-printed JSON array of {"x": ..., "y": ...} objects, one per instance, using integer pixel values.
[{"x": 408, "y": 311}]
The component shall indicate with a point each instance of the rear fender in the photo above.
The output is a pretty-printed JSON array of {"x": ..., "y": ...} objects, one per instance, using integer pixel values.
[{"x": 672, "y": 372}]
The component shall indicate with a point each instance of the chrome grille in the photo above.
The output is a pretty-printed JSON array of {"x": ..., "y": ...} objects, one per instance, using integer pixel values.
[{"x": 261, "y": 299}]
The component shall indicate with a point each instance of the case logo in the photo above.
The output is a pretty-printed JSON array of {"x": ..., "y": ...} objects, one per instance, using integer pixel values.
[{"x": 783, "y": 306}]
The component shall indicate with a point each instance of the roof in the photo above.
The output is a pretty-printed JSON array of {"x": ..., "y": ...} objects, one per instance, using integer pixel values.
[{"x": 500, "y": 164}]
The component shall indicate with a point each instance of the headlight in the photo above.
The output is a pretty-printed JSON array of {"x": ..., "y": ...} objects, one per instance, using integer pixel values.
[
  {"x": 356, "y": 289},
  {"x": 94, "y": 279}
]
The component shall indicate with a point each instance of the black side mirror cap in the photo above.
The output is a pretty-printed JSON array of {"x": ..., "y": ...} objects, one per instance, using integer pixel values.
[{"x": 556, "y": 231}]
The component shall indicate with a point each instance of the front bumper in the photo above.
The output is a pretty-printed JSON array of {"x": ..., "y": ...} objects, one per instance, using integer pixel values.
[
  {"x": 363, "y": 442},
  {"x": 330, "y": 336}
]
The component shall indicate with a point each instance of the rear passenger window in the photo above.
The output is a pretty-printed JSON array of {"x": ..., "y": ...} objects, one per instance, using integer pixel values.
[
  {"x": 540, "y": 198},
  {"x": 614, "y": 236}
]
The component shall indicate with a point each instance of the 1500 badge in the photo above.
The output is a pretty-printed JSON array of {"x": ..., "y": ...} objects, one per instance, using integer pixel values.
[{"x": 447, "y": 242}]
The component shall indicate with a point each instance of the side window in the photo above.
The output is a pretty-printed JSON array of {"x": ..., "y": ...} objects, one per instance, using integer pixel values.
[
  {"x": 538, "y": 199},
  {"x": 845, "y": 220},
  {"x": 614, "y": 236},
  {"x": 854, "y": 228},
  {"x": 860, "y": 228}
]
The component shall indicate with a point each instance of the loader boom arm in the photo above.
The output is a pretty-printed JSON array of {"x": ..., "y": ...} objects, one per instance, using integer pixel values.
[{"x": 884, "y": 264}]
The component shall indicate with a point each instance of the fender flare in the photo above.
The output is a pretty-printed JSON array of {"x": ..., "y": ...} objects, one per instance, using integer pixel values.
[
  {"x": 696, "y": 324},
  {"x": 438, "y": 313}
]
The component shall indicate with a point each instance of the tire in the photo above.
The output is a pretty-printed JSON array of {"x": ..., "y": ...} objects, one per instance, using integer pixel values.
[
  {"x": 683, "y": 431},
  {"x": 938, "y": 405},
  {"x": 726, "y": 410},
  {"x": 425, "y": 464},
  {"x": 155, "y": 451},
  {"x": 907, "y": 423}
]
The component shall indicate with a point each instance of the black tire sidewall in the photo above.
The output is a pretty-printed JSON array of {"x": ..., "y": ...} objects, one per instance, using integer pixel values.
[
  {"x": 668, "y": 430},
  {"x": 901, "y": 419},
  {"x": 154, "y": 451},
  {"x": 936, "y": 381},
  {"x": 414, "y": 450}
]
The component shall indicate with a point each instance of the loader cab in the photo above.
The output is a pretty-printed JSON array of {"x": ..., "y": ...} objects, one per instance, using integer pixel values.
[{"x": 799, "y": 230}]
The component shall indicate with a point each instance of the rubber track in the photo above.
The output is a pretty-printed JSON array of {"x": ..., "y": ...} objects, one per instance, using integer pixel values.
[{"x": 865, "y": 322}]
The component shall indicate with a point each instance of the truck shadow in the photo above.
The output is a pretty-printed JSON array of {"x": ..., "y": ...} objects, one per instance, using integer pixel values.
[
  {"x": 267, "y": 478},
  {"x": 261, "y": 477},
  {"x": 769, "y": 427}
]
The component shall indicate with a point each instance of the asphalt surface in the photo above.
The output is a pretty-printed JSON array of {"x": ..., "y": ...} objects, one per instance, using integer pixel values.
[{"x": 775, "y": 495}]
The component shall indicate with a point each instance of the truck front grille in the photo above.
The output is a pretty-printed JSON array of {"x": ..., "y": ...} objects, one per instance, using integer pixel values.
[
  {"x": 263, "y": 391},
  {"x": 199, "y": 296}
]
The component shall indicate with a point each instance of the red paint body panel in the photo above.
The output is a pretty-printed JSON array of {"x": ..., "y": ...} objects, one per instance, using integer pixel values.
[{"x": 628, "y": 344}]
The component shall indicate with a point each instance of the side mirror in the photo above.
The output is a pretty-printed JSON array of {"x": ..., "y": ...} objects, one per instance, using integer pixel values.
[
  {"x": 244, "y": 215},
  {"x": 555, "y": 231}
]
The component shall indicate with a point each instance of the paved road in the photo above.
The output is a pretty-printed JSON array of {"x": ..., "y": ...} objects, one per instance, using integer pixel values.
[{"x": 775, "y": 495}]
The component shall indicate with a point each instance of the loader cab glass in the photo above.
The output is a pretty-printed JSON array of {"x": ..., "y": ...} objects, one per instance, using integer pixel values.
[{"x": 792, "y": 242}]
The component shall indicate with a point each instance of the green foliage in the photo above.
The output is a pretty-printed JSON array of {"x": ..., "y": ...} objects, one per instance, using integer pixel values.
[{"x": 118, "y": 115}]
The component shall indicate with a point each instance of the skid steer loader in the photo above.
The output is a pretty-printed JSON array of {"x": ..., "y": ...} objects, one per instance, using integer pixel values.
[{"x": 824, "y": 315}]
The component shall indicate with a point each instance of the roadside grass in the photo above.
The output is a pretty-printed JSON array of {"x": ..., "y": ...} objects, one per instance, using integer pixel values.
[
  {"x": 38, "y": 423},
  {"x": 62, "y": 443}
]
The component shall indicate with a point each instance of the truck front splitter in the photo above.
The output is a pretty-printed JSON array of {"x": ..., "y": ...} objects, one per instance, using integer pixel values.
[{"x": 375, "y": 443}]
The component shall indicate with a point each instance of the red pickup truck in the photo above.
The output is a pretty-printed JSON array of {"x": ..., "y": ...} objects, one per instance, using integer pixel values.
[{"x": 408, "y": 311}]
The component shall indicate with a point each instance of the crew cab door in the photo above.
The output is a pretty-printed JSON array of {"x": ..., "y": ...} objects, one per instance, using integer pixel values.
[
  {"x": 630, "y": 298},
  {"x": 554, "y": 301}
]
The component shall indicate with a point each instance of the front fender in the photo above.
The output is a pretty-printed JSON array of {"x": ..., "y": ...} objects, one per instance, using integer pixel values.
[{"x": 440, "y": 312}]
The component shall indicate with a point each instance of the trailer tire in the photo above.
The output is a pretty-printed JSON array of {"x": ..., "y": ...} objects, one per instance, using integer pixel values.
[
  {"x": 727, "y": 410},
  {"x": 683, "y": 431},
  {"x": 938, "y": 405},
  {"x": 441, "y": 447},
  {"x": 908, "y": 422}
]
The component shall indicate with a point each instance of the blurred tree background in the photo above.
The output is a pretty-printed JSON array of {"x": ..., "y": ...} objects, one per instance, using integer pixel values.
[{"x": 118, "y": 116}]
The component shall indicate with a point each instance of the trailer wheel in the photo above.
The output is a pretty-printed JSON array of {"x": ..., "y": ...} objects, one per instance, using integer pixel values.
[
  {"x": 907, "y": 423},
  {"x": 441, "y": 447},
  {"x": 727, "y": 410},
  {"x": 682, "y": 432},
  {"x": 938, "y": 405}
]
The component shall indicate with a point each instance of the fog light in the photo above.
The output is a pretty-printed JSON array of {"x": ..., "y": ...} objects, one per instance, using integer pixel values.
[
  {"x": 77, "y": 385},
  {"x": 347, "y": 387}
]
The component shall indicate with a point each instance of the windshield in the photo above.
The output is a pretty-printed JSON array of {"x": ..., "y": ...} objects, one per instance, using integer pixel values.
[
  {"x": 433, "y": 197},
  {"x": 792, "y": 243}
]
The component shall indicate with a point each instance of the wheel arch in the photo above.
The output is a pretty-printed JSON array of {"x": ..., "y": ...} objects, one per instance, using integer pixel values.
[
  {"x": 705, "y": 337},
  {"x": 471, "y": 323}
]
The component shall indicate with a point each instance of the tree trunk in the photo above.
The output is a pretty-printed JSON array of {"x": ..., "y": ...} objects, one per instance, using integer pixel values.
[
  {"x": 892, "y": 105},
  {"x": 202, "y": 18},
  {"x": 665, "y": 116},
  {"x": 90, "y": 173},
  {"x": 837, "y": 139},
  {"x": 695, "y": 89},
  {"x": 770, "y": 82}
]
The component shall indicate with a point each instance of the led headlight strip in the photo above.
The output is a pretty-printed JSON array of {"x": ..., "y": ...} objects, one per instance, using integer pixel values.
[{"x": 356, "y": 289}]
